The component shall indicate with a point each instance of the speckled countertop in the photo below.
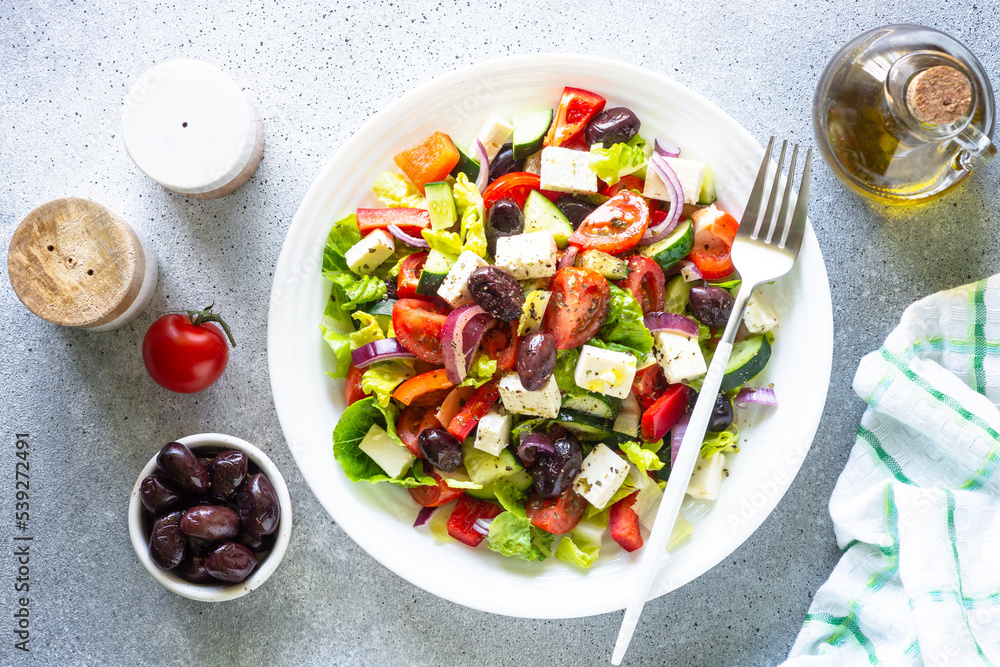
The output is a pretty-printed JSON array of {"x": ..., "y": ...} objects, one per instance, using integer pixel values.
[{"x": 316, "y": 72}]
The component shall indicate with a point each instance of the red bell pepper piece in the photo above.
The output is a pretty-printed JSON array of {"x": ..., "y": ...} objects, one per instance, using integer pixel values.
[
  {"x": 467, "y": 511},
  {"x": 410, "y": 220},
  {"x": 623, "y": 524},
  {"x": 664, "y": 413},
  {"x": 576, "y": 108},
  {"x": 470, "y": 414}
]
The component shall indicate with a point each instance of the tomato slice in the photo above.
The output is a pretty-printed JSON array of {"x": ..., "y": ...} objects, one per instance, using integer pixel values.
[
  {"x": 352, "y": 386},
  {"x": 623, "y": 524},
  {"x": 615, "y": 226},
  {"x": 426, "y": 389},
  {"x": 467, "y": 511},
  {"x": 578, "y": 306},
  {"x": 478, "y": 405},
  {"x": 661, "y": 416},
  {"x": 714, "y": 233},
  {"x": 516, "y": 185},
  {"x": 434, "y": 496},
  {"x": 558, "y": 515},
  {"x": 648, "y": 385},
  {"x": 500, "y": 342},
  {"x": 418, "y": 326},
  {"x": 576, "y": 108},
  {"x": 410, "y": 220},
  {"x": 629, "y": 182},
  {"x": 413, "y": 420},
  {"x": 646, "y": 283},
  {"x": 409, "y": 276}
]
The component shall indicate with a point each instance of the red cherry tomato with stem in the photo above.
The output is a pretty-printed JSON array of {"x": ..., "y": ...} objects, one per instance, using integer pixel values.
[{"x": 187, "y": 353}]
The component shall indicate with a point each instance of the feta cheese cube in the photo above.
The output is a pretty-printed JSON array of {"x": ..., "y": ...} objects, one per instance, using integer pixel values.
[
  {"x": 392, "y": 457},
  {"x": 493, "y": 431},
  {"x": 544, "y": 402},
  {"x": 605, "y": 371},
  {"x": 494, "y": 132},
  {"x": 455, "y": 288},
  {"x": 689, "y": 173},
  {"x": 601, "y": 474},
  {"x": 759, "y": 316},
  {"x": 533, "y": 311},
  {"x": 706, "y": 480},
  {"x": 365, "y": 255},
  {"x": 679, "y": 356},
  {"x": 531, "y": 255},
  {"x": 567, "y": 170}
]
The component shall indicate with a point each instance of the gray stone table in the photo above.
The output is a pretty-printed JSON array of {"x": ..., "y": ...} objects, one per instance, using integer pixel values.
[{"x": 317, "y": 71}]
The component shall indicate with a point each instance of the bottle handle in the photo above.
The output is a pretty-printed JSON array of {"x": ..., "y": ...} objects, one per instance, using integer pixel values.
[{"x": 978, "y": 151}]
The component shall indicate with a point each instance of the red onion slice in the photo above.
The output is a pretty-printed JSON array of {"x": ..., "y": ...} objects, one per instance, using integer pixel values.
[
  {"x": 379, "y": 350},
  {"x": 533, "y": 443},
  {"x": 677, "y": 436},
  {"x": 569, "y": 257},
  {"x": 665, "y": 149},
  {"x": 484, "y": 166},
  {"x": 689, "y": 270},
  {"x": 408, "y": 239},
  {"x": 759, "y": 396},
  {"x": 423, "y": 516},
  {"x": 669, "y": 178},
  {"x": 482, "y": 526},
  {"x": 671, "y": 322},
  {"x": 463, "y": 329}
]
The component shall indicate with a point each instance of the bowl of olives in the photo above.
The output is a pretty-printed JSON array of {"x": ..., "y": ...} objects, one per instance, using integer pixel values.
[{"x": 210, "y": 517}]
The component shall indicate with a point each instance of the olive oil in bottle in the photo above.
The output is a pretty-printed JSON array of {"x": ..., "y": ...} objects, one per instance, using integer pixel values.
[{"x": 902, "y": 114}]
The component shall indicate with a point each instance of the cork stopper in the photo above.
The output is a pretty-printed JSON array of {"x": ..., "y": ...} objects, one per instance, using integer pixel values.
[
  {"x": 940, "y": 95},
  {"x": 75, "y": 263}
]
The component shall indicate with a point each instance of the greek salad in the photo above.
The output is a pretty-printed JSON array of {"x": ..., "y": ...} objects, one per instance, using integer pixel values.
[{"x": 525, "y": 324}]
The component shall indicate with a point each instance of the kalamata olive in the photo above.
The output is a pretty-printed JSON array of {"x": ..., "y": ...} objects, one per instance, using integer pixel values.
[
  {"x": 711, "y": 305},
  {"x": 199, "y": 548},
  {"x": 167, "y": 544},
  {"x": 441, "y": 448},
  {"x": 183, "y": 467},
  {"x": 160, "y": 494},
  {"x": 259, "y": 507},
  {"x": 575, "y": 210},
  {"x": 553, "y": 472},
  {"x": 497, "y": 292},
  {"x": 229, "y": 469},
  {"x": 193, "y": 569},
  {"x": 390, "y": 289},
  {"x": 612, "y": 126},
  {"x": 230, "y": 562},
  {"x": 536, "y": 360},
  {"x": 722, "y": 413},
  {"x": 207, "y": 462},
  {"x": 256, "y": 544},
  {"x": 504, "y": 162},
  {"x": 210, "y": 522},
  {"x": 505, "y": 219}
]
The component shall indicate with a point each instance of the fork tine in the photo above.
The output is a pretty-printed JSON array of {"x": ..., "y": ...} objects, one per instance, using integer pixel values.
[
  {"x": 769, "y": 218},
  {"x": 783, "y": 212},
  {"x": 752, "y": 210},
  {"x": 797, "y": 227}
]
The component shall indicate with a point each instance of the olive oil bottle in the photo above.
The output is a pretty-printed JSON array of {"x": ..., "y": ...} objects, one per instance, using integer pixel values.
[{"x": 902, "y": 114}]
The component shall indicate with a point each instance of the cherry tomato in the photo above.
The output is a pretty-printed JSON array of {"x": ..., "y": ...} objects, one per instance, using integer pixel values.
[
  {"x": 576, "y": 108},
  {"x": 714, "y": 233},
  {"x": 186, "y": 353},
  {"x": 413, "y": 420},
  {"x": 418, "y": 326},
  {"x": 646, "y": 283},
  {"x": 352, "y": 386},
  {"x": 500, "y": 342},
  {"x": 578, "y": 306},
  {"x": 648, "y": 385},
  {"x": 434, "y": 496},
  {"x": 516, "y": 185},
  {"x": 629, "y": 182},
  {"x": 559, "y": 515},
  {"x": 409, "y": 275},
  {"x": 615, "y": 226}
]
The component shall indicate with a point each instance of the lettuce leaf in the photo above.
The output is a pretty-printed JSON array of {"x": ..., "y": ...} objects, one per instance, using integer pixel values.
[
  {"x": 723, "y": 441},
  {"x": 342, "y": 236},
  {"x": 582, "y": 545},
  {"x": 480, "y": 372},
  {"x": 395, "y": 191},
  {"x": 511, "y": 533},
  {"x": 382, "y": 378},
  {"x": 565, "y": 365},
  {"x": 624, "y": 324},
  {"x": 351, "y": 430},
  {"x": 337, "y": 327},
  {"x": 471, "y": 215},
  {"x": 368, "y": 332},
  {"x": 642, "y": 458},
  {"x": 619, "y": 160},
  {"x": 448, "y": 243}
]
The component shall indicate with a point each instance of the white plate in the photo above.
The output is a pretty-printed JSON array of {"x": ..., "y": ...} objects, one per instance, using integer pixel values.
[{"x": 379, "y": 517}]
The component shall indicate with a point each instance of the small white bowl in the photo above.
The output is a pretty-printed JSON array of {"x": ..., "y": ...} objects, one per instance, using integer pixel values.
[{"x": 213, "y": 592}]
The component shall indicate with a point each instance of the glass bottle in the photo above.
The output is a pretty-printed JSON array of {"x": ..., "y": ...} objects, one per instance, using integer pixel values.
[{"x": 903, "y": 113}]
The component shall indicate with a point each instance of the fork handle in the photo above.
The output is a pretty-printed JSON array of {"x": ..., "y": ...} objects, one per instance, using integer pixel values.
[{"x": 680, "y": 475}]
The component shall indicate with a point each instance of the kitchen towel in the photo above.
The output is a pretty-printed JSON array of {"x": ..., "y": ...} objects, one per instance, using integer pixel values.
[{"x": 917, "y": 510}]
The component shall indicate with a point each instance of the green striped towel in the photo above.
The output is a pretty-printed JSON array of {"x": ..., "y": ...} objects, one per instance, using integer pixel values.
[{"x": 917, "y": 509}]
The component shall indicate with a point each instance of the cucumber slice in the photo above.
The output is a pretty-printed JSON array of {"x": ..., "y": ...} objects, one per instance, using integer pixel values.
[
  {"x": 607, "y": 265},
  {"x": 541, "y": 215},
  {"x": 435, "y": 270},
  {"x": 749, "y": 357},
  {"x": 529, "y": 132},
  {"x": 520, "y": 479},
  {"x": 707, "y": 195},
  {"x": 674, "y": 247},
  {"x": 587, "y": 427},
  {"x": 485, "y": 493},
  {"x": 382, "y": 310},
  {"x": 484, "y": 468},
  {"x": 592, "y": 403},
  {"x": 467, "y": 165},
  {"x": 441, "y": 205},
  {"x": 678, "y": 295}
]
